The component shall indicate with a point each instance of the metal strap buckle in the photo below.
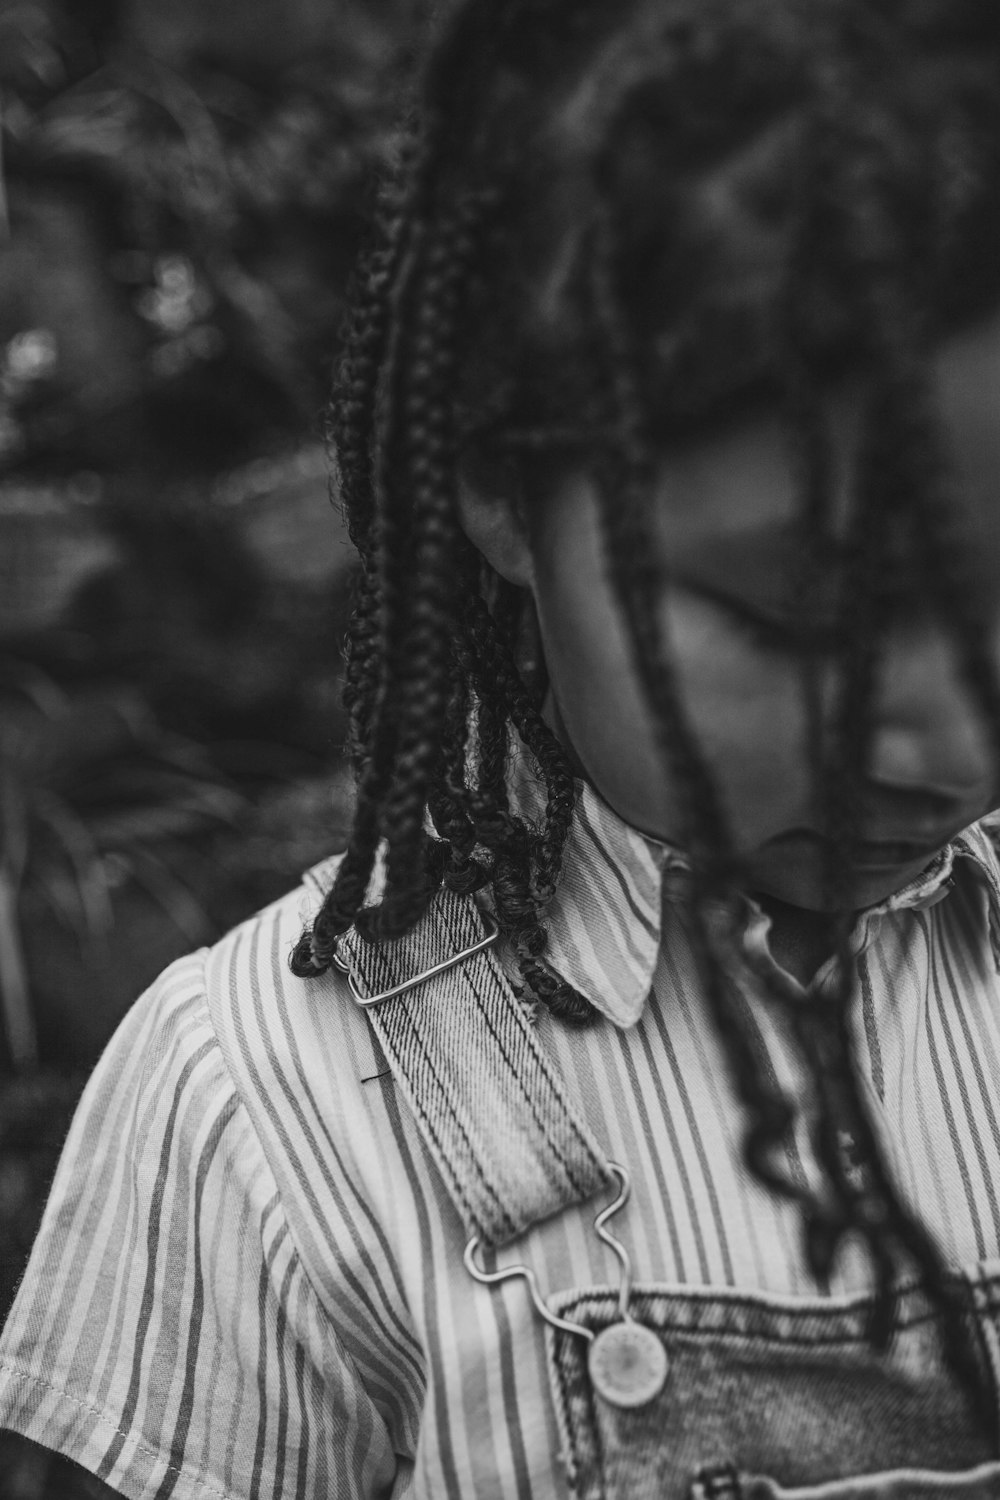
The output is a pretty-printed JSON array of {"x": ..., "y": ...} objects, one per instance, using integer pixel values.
[
  {"x": 626, "y": 1361},
  {"x": 491, "y": 1278},
  {"x": 367, "y": 1001}
]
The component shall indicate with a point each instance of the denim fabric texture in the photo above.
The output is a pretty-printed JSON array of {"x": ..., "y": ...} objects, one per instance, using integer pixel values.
[
  {"x": 980, "y": 1483},
  {"x": 491, "y": 1108},
  {"x": 766, "y": 1397}
]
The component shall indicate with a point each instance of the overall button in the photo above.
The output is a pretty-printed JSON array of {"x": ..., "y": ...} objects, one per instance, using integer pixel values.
[
  {"x": 627, "y": 1364},
  {"x": 718, "y": 1482}
]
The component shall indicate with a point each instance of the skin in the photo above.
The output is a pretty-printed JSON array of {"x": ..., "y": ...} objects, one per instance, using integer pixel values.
[{"x": 932, "y": 771}]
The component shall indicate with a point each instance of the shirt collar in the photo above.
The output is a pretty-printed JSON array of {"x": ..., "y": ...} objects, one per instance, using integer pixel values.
[{"x": 605, "y": 920}]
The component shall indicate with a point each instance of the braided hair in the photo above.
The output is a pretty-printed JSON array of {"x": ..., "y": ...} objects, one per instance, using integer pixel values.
[{"x": 614, "y": 221}]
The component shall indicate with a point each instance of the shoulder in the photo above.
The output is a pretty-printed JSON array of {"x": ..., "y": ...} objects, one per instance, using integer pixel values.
[
  {"x": 279, "y": 1034},
  {"x": 214, "y": 1214},
  {"x": 229, "y": 1033},
  {"x": 240, "y": 995},
  {"x": 228, "y": 1052}
]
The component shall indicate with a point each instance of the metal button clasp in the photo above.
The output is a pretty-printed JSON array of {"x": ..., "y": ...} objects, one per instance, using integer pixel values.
[
  {"x": 367, "y": 1001},
  {"x": 626, "y": 1361}
]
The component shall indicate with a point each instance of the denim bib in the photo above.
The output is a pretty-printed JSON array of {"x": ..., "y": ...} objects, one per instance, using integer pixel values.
[{"x": 769, "y": 1398}]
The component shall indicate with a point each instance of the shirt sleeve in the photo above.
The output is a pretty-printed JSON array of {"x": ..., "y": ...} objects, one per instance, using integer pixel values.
[{"x": 165, "y": 1335}]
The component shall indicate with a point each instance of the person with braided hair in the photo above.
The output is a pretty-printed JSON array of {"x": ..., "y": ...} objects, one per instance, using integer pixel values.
[{"x": 618, "y": 1115}]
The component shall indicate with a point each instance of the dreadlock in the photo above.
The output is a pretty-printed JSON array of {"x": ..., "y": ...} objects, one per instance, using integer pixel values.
[{"x": 616, "y": 220}]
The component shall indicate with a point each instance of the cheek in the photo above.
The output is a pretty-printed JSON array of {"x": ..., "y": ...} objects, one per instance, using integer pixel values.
[
  {"x": 746, "y": 707},
  {"x": 599, "y": 699},
  {"x": 746, "y": 710}
]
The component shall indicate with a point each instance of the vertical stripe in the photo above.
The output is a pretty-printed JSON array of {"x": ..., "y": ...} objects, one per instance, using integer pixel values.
[
  {"x": 307, "y": 1443},
  {"x": 282, "y": 1126},
  {"x": 694, "y": 1218},
  {"x": 953, "y": 1011},
  {"x": 182, "y": 1425},
  {"x": 723, "y": 1118},
  {"x": 445, "y": 1450},
  {"x": 668, "y": 1197},
  {"x": 694, "y": 1129},
  {"x": 388, "y": 1267},
  {"x": 237, "y": 1322},
  {"x": 918, "y": 1087},
  {"x": 260, "y": 1445},
  {"x": 145, "y": 1317},
  {"x": 944, "y": 1097},
  {"x": 617, "y": 874},
  {"x": 871, "y": 1029}
]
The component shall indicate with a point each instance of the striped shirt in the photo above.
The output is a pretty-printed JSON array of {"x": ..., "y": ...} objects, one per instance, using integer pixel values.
[{"x": 249, "y": 1277}]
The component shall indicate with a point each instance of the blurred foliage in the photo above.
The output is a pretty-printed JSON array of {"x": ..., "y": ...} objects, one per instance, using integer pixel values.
[
  {"x": 93, "y": 793},
  {"x": 193, "y": 225},
  {"x": 182, "y": 192}
]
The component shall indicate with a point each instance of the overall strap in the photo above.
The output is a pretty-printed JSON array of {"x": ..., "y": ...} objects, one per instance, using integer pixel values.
[{"x": 491, "y": 1107}]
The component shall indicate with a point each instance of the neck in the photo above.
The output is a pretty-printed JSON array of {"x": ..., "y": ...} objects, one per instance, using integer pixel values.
[{"x": 801, "y": 941}]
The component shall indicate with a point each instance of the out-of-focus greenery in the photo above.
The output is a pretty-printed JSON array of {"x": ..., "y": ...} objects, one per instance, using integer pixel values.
[
  {"x": 180, "y": 224},
  {"x": 183, "y": 188}
]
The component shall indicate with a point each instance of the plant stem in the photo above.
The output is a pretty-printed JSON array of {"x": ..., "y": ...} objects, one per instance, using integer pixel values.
[{"x": 15, "y": 1000}]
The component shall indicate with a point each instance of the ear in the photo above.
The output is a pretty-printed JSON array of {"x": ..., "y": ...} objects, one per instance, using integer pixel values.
[{"x": 494, "y": 522}]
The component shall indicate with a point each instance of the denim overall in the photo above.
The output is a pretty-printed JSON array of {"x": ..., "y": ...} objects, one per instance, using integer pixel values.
[{"x": 765, "y": 1398}]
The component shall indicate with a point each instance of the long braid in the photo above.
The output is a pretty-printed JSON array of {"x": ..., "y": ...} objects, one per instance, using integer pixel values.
[
  {"x": 804, "y": 415},
  {"x": 526, "y": 867},
  {"x": 810, "y": 455},
  {"x": 448, "y": 797},
  {"x": 886, "y": 484},
  {"x": 378, "y": 622},
  {"x": 624, "y": 493},
  {"x": 947, "y": 571},
  {"x": 354, "y": 409},
  {"x": 365, "y": 338},
  {"x": 381, "y": 537},
  {"x": 427, "y": 452},
  {"x": 822, "y": 1030}
]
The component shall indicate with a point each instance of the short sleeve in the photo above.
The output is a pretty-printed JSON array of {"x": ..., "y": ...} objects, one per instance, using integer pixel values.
[{"x": 165, "y": 1334}]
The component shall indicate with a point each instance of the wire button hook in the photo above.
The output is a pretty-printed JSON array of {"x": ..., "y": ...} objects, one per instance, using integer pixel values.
[{"x": 626, "y": 1362}]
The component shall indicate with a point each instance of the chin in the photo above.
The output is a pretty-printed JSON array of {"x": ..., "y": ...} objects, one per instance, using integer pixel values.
[{"x": 795, "y": 875}]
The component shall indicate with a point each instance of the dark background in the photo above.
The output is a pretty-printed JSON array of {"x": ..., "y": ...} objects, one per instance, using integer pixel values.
[{"x": 183, "y": 189}]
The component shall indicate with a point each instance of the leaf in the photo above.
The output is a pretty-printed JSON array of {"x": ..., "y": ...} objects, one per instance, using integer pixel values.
[
  {"x": 171, "y": 894},
  {"x": 84, "y": 859},
  {"x": 15, "y": 998},
  {"x": 93, "y": 124},
  {"x": 41, "y": 690},
  {"x": 121, "y": 831},
  {"x": 14, "y": 822},
  {"x": 28, "y": 55}
]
